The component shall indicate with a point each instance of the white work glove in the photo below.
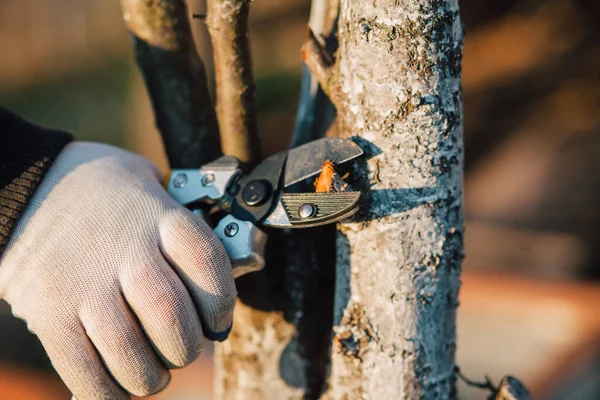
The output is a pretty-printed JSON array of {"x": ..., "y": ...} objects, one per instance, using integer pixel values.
[{"x": 115, "y": 278}]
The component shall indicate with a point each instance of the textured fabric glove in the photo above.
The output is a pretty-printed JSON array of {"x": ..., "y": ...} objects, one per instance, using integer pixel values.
[{"x": 115, "y": 278}]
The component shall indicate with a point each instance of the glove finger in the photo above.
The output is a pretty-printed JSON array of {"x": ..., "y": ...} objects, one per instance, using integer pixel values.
[
  {"x": 166, "y": 312},
  {"x": 198, "y": 257},
  {"x": 77, "y": 362},
  {"x": 124, "y": 348}
]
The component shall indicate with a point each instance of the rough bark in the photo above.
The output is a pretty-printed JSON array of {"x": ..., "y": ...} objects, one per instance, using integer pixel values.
[
  {"x": 175, "y": 79},
  {"x": 398, "y": 264},
  {"x": 396, "y": 85},
  {"x": 227, "y": 22},
  {"x": 279, "y": 344}
]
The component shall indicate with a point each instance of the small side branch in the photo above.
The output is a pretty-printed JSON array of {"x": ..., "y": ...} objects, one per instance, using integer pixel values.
[
  {"x": 315, "y": 111},
  {"x": 510, "y": 388},
  {"x": 176, "y": 80},
  {"x": 227, "y": 22},
  {"x": 322, "y": 66},
  {"x": 481, "y": 385}
]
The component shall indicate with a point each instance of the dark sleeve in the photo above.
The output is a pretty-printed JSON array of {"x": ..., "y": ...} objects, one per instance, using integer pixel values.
[{"x": 26, "y": 153}]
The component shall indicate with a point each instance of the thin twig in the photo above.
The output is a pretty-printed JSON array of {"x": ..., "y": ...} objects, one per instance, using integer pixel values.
[
  {"x": 482, "y": 385},
  {"x": 320, "y": 63},
  {"x": 510, "y": 388},
  {"x": 227, "y": 22},
  {"x": 176, "y": 80},
  {"x": 315, "y": 111}
]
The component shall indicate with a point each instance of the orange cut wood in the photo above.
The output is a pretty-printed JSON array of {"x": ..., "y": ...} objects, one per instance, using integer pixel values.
[{"x": 324, "y": 182}]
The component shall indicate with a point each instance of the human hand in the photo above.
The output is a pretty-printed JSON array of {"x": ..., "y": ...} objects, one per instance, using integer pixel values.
[{"x": 116, "y": 278}]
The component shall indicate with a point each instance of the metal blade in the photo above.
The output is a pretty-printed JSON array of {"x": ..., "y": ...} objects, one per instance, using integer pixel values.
[
  {"x": 325, "y": 208},
  {"x": 306, "y": 160}
]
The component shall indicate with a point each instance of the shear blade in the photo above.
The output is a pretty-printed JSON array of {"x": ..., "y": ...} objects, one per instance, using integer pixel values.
[
  {"x": 328, "y": 208},
  {"x": 306, "y": 160}
]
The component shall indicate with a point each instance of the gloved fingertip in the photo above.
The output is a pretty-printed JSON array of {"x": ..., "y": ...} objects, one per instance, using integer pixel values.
[
  {"x": 217, "y": 336},
  {"x": 164, "y": 384}
]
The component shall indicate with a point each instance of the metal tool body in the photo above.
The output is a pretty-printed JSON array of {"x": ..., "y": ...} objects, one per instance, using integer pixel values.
[{"x": 260, "y": 198}]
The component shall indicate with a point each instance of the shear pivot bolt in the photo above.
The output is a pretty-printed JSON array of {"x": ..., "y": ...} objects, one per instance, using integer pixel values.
[
  {"x": 232, "y": 229},
  {"x": 208, "y": 180},
  {"x": 180, "y": 181},
  {"x": 256, "y": 193},
  {"x": 307, "y": 211}
]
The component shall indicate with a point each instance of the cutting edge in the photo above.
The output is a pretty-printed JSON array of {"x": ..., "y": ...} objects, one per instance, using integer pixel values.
[{"x": 335, "y": 149}]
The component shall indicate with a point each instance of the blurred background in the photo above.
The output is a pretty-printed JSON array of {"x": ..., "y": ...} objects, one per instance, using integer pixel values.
[{"x": 531, "y": 79}]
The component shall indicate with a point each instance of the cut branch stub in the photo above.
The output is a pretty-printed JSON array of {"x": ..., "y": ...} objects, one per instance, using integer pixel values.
[
  {"x": 322, "y": 65},
  {"x": 176, "y": 80},
  {"x": 227, "y": 22},
  {"x": 158, "y": 23}
]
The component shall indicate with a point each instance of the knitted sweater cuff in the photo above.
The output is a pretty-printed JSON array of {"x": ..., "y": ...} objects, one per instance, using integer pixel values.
[{"x": 26, "y": 154}]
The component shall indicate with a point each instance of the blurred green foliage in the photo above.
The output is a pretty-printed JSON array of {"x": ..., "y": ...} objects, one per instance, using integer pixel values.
[
  {"x": 89, "y": 103},
  {"x": 277, "y": 91},
  {"x": 93, "y": 103}
]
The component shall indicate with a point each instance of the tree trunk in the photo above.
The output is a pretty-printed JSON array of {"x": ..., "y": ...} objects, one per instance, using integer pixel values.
[{"x": 398, "y": 265}]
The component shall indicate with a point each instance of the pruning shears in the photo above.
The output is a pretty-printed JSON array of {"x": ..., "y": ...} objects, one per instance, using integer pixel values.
[{"x": 264, "y": 197}]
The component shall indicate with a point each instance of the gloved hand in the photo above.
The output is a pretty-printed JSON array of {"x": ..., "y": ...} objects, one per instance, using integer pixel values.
[{"x": 114, "y": 276}]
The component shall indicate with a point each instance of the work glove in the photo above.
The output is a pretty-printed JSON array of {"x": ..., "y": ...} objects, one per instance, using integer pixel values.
[{"x": 116, "y": 279}]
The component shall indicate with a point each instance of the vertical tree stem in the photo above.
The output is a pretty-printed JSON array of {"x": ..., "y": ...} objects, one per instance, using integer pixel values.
[
  {"x": 279, "y": 347},
  {"x": 227, "y": 22},
  {"x": 175, "y": 79},
  {"x": 398, "y": 265}
]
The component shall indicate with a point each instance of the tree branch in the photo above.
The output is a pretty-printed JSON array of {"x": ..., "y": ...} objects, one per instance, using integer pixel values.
[
  {"x": 176, "y": 80},
  {"x": 227, "y": 22},
  {"x": 322, "y": 66},
  {"x": 510, "y": 388},
  {"x": 280, "y": 343},
  {"x": 315, "y": 111},
  {"x": 481, "y": 385}
]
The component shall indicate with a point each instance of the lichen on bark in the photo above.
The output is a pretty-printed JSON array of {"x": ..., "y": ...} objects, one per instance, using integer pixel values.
[
  {"x": 396, "y": 82},
  {"x": 399, "y": 261}
]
